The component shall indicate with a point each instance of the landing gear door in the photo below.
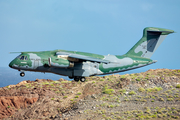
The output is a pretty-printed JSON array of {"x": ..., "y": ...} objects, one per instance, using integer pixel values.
[{"x": 86, "y": 69}]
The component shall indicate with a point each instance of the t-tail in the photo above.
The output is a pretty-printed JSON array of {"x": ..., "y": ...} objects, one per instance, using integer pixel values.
[{"x": 147, "y": 45}]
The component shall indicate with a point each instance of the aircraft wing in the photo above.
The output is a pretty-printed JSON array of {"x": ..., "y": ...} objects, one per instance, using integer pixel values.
[{"x": 82, "y": 57}]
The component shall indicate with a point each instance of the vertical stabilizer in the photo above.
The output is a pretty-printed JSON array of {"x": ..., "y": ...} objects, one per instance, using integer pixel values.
[{"x": 147, "y": 45}]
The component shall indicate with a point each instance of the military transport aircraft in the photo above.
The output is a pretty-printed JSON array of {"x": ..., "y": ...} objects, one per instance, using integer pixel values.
[{"x": 78, "y": 65}]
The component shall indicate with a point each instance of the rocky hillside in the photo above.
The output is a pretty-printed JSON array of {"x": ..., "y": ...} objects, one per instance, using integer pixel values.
[{"x": 154, "y": 94}]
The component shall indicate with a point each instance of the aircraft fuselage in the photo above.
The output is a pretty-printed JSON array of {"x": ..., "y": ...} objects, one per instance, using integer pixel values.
[{"x": 39, "y": 62}]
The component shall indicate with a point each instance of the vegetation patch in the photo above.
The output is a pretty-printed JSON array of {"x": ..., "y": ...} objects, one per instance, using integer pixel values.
[
  {"x": 155, "y": 89},
  {"x": 122, "y": 91},
  {"x": 178, "y": 86},
  {"x": 132, "y": 93},
  {"x": 77, "y": 96},
  {"x": 65, "y": 97},
  {"x": 107, "y": 91},
  {"x": 141, "y": 89}
]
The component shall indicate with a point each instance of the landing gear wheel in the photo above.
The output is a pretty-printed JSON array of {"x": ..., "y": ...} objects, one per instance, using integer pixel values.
[
  {"x": 22, "y": 74},
  {"x": 82, "y": 79},
  {"x": 71, "y": 77},
  {"x": 76, "y": 79}
]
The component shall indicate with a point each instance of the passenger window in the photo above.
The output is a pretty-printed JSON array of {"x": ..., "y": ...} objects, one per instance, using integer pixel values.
[{"x": 22, "y": 58}]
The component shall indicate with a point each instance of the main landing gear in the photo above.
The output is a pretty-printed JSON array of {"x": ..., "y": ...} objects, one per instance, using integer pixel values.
[
  {"x": 22, "y": 74},
  {"x": 82, "y": 79}
]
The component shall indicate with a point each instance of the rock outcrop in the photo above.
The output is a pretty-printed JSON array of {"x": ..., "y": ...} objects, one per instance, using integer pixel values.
[{"x": 11, "y": 104}]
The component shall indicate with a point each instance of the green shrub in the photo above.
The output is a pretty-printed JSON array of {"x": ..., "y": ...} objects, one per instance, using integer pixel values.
[
  {"x": 169, "y": 99},
  {"x": 105, "y": 87},
  {"x": 154, "y": 116},
  {"x": 158, "y": 88},
  {"x": 139, "y": 96},
  {"x": 176, "y": 117},
  {"x": 178, "y": 86},
  {"x": 52, "y": 98},
  {"x": 126, "y": 99},
  {"x": 111, "y": 106},
  {"x": 142, "y": 100},
  {"x": 169, "y": 96},
  {"x": 148, "y": 73},
  {"x": 132, "y": 93},
  {"x": 65, "y": 81},
  {"x": 153, "y": 97},
  {"x": 79, "y": 93},
  {"x": 122, "y": 91},
  {"x": 141, "y": 89},
  {"x": 155, "y": 89},
  {"x": 123, "y": 76},
  {"x": 65, "y": 97},
  {"x": 103, "y": 104},
  {"x": 108, "y": 91},
  {"x": 77, "y": 96},
  {"x": 161, "y": 99},
  {"x": 45, "y": 83},
  {"x": 164, "y": 115},
  {"x": 176, "y": 96}
]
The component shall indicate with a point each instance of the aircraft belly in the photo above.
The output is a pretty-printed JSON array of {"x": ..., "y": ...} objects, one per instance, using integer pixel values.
[{"x": 62, "y": 71}]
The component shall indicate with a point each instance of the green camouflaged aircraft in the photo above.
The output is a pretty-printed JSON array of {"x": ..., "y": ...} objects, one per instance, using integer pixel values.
[{"x": 79, "y": 65}]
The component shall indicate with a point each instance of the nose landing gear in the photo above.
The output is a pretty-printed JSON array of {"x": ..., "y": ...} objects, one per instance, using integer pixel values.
[{"x": 22, "y": 74}]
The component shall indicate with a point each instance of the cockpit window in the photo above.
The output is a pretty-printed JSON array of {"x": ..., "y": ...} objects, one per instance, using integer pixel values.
[
  {"x": 18, "y": 56},
  {"x": 23, "y": 57}
]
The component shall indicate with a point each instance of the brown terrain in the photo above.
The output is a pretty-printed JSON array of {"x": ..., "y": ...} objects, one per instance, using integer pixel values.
[{"x": 154, "y": 94}]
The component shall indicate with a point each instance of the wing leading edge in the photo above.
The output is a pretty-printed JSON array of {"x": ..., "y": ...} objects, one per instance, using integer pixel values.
[{"x": 78, "y": 57}]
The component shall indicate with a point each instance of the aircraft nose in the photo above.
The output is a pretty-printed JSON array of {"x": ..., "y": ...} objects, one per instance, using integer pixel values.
[{"x": 11, "y": 64}]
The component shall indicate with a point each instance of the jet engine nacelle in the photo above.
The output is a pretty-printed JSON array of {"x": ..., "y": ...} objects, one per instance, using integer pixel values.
[{"x": 60, "y": 63}]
